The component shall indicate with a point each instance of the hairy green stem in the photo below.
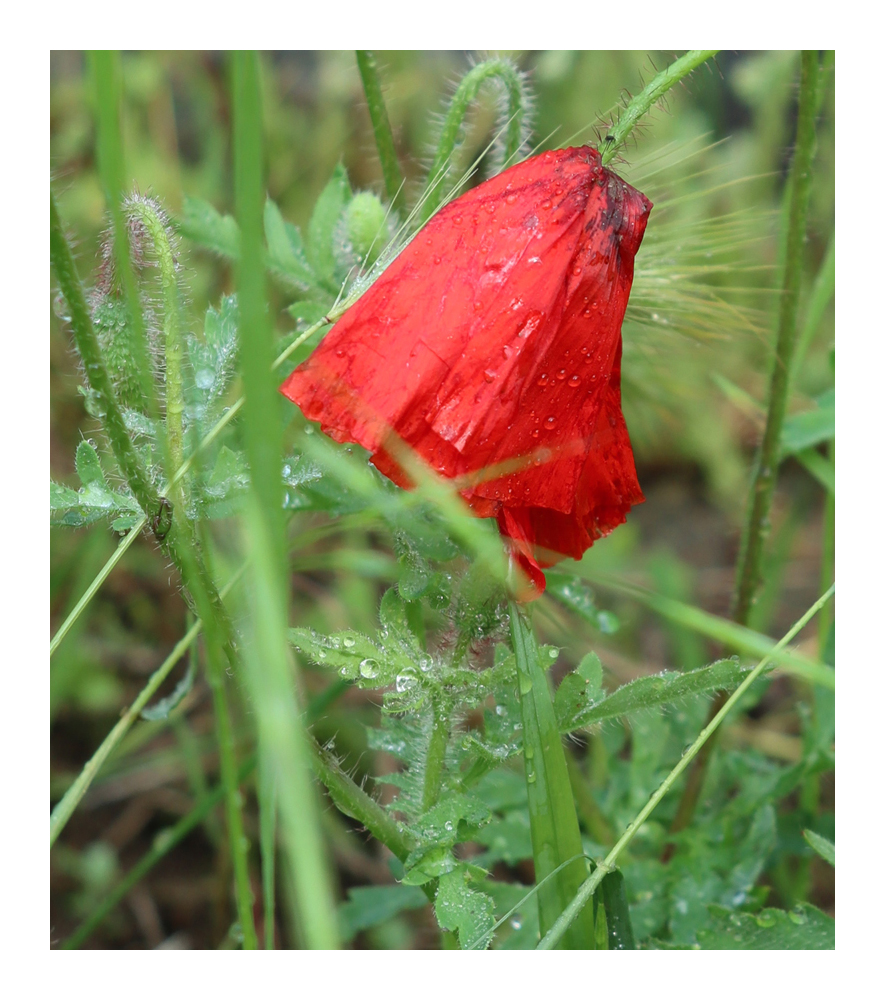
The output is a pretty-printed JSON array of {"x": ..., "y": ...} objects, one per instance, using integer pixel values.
[
  {"x": 96, "y": 371},
  {"x": 106, "y": 72},
  {"x": 434, "y": 767},
  {"x": 393, "y": 178},
  {"x": 173, "y": 355},
  {"x": 359, "y": 805},
  {"x": 640, "y": 104},
  {"x": 493, "y": 69},
  {"x": 561, "y": 926},
  {"x": 765, "y": 471},
  {"x": 556, "y": 836},
  {"x": 757, "y": 525}
]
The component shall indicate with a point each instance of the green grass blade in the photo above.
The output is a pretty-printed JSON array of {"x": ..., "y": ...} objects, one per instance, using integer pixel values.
[
  {"x": 553, "y": 819},
  {"x": 269, "y": 668}
]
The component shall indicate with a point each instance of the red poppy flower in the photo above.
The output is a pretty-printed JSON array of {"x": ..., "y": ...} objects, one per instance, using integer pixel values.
[{"x": 493, "y": 342}]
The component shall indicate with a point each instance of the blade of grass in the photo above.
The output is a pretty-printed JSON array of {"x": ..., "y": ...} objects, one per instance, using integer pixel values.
[
  {"x": 553, "y": 820},
  {"x": 163, "y": 844},
  {"x": 723, "y": 630},
  {"x": 68, "y": 803},
  {"x": 393, "y": 178},
  {"x": 270, "y": 671}
]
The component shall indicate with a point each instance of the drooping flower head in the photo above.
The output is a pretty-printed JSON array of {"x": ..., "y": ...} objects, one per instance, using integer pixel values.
[{"x": 492, "y": 347}]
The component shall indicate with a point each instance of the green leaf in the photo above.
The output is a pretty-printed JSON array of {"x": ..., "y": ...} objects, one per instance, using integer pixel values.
[
  {"x": 201, "y": 223},
  {"x": 825, "y": 848},
  {"x": 285, "y": 250},
  {"x": 88, "y": 466},
  {"x": 804, "y": 929},
  {"x": 62, "y": 498},
  {"x": 369, "y": 906},
  {"x": 162, "y": 708},
  {"x": 213, "y": 359},
  {"x": 811, "y": 428},
  {"x": 574, "y": 593},
  {"x": 320, "y": 231},
  {"x": 357, "y": 658},
  {"x": 652, "y": 692},
  {"x": 822, "y": 468},
  {"x": 462, "y": 909},
  {"x": 579, "y": 690},
  {"x": 617, "y": 913}
]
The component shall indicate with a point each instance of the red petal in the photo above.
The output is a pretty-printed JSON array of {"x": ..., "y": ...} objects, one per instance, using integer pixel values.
[{"x": 494, "y": 340}]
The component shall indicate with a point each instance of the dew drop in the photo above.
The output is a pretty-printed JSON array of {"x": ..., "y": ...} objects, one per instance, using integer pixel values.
[
  {"x": 543, "y": 380},
  {"x": 561, "y": 374},
  {"x": 574, "y": 381},
  {"x": 349, "y": 643},
  {"x": 546, "y": 204},
  {"x": 507, "y": 350},
  {"x": 368, "y": 668},
  {"x": 535, "y": 433},
  {"x": 489, "y": 376},
  {"x": 550, "y": 423}
]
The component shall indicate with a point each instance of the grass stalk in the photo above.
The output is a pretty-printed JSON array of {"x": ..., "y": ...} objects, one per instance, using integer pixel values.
[
  {"x": 556, "y": 836},
  {"x": 270, "y": 669},
  {"x": 163, "y": 844},
  {"x": 390, "y": 169}
]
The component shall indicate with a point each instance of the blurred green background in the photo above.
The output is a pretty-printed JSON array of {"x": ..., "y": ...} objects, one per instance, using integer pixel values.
[{"x": 719, "y": 149}]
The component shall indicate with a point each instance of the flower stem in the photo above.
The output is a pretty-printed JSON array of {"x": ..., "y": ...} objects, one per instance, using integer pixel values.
[
  {"x": 757, "y": 526},
  {"x": 434, "y": 767},
  {"x": 393, "y": 178},
  {"x": 173, "y": 354},
  {"x": 640, "y": 104},
  {"x": 106, "y": 72},
  {"x": 765, "y": 470},
  {"x": 556, "y": 836},
  {"x": 88, "y": 348},
  {"x": 555, "y": 934},
  {"x": 506, "y": 72}
]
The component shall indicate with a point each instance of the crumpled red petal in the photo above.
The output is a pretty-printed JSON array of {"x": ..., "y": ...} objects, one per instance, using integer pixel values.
[{"x": 492, "y": 347}]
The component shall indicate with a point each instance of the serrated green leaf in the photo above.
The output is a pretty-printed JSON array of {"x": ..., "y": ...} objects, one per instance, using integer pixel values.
[
  {"x": 825, "y": 848},
  {"x": 369, "y": 906},
  {"x": 88, "y": 466},
  {"x": 126, "y": 522},
  {"x": 205, "y": 226},
  {"x": 574, "y": 593},
  {"x": 285, "y": 250},
  {"x": 213, "y": 359},
  {"x": 660, "y": 689},
  {"x": 804, "y": 929},
  {"x": 353, "y": 655},
  {"x": 62, "y": 498},
  {"x": 327, "y": 211},
  {"x": 464, "y": 910}
]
